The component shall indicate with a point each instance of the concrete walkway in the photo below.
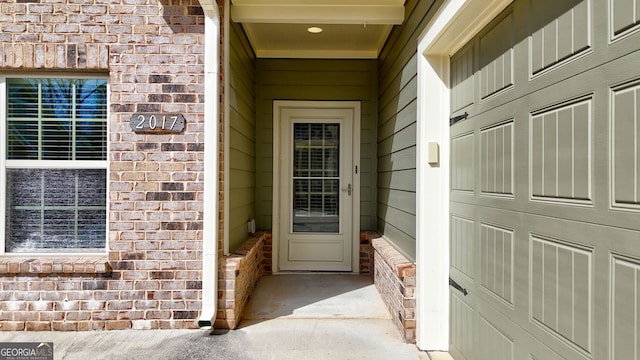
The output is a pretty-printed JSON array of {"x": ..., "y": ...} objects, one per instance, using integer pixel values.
[{"x": 289, "y": 317}]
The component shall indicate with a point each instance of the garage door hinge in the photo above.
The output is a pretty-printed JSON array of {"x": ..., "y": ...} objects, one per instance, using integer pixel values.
[
  {"x": 455, "y": 119},
  {"x": 457, "y": 286}
]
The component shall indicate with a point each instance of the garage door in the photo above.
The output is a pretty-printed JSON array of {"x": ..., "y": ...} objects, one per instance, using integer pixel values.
[{"x": 545, "y": 184}]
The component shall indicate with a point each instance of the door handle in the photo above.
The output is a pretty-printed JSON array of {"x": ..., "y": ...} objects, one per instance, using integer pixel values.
[
  {"x": 348, "y": 189},
  {"x": 457, "y": 286}
]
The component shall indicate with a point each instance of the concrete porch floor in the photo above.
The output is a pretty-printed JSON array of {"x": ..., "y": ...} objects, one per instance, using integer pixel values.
[
  {"x": 310, "y": 316},
  {"x": 315, "y": 296}
]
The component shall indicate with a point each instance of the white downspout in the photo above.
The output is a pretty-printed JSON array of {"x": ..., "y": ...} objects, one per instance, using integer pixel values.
[{"x": 211, "y": 163}]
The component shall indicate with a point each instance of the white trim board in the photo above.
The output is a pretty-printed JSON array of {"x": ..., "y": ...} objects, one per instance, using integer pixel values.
[
  {"x": 391, "y": 13},
  {"x": 226, "y": 48},
  {"x": 456, "y": 22}
]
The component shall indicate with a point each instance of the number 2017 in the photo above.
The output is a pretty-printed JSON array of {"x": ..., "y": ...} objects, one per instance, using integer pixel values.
[{"x": 153, "y": 122}]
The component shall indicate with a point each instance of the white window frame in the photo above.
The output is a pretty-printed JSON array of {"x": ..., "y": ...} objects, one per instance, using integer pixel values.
[{"x": 47, "y": 164}]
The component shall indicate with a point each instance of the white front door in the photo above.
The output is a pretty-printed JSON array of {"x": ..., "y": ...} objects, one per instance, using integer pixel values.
[{"x": 316, "y": 197}]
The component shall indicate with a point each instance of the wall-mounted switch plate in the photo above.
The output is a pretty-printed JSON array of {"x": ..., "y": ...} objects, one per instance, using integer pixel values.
[{"x": 433, "y": 151}]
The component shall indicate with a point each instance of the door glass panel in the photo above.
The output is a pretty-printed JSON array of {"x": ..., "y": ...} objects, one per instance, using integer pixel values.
[{"x": 316, "y": 177}]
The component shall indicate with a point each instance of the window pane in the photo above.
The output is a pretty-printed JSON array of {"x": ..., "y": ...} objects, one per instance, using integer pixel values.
[
  {"x": 57, "y": 119},
  {"x": 91, "y": 140},
  {"x": 25, "y": 234},
  {"x": 91, "y": 115},
  {"x": 22, "y": 140},
  {"x": 56, "y": 209},
  {"x": 316, "y": 177},
  {"x": 57, "y": 97},
  {"x": 92, "y": 188},
  {"x": 23, "y": 98},
  {"x": 24, "y": 187},
  {"x": 91, "y": 99},
  {"x": 59, "y": 227},
  {"x": 59, "y": 187},
  {"x": 92, "y": 228},
  {"x": 57, "y": 141}
]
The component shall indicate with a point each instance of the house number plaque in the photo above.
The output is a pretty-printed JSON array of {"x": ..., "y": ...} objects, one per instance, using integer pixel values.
[{"x": 157, "y": 123}]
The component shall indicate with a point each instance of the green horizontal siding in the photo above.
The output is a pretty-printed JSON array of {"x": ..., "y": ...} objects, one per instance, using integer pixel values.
[
  {"x": 339, "y": 80},
  {"x": 396, "y": 138},
  {"x": 242, "y": 137}
]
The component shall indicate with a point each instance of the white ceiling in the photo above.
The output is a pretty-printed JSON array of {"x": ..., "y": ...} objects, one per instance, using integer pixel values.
[{"x": 351, "y": 28}]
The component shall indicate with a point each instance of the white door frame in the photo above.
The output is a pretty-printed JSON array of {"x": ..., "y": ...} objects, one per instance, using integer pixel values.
[
  {"x": 456, "y": 22},
  {"x": 277, "y": 168}
]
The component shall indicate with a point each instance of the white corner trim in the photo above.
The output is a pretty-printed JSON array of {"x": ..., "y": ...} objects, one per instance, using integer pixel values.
[
  {"x": 456, "y": 22},
  {"x": 432, "y": 225},
  {"x": 227, "y": 125},
  {"x": 211, "y": 163}
]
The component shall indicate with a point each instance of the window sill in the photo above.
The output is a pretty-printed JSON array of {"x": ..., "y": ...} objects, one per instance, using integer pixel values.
[{"x": 55, "y": 265}]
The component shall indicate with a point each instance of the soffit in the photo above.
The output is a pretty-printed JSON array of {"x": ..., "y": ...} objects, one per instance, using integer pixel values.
[{"x": 351, "y": 28}]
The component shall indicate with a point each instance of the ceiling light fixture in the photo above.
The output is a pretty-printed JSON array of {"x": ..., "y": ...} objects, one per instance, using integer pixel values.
[{"x": 314, "y": 29}]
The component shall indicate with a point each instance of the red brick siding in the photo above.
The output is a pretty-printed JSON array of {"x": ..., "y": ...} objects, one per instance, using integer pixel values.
[
  {"x": 237, "y": 277},
  {"x": 152, "y": 52},
  {"x": 395, "y": 279}
]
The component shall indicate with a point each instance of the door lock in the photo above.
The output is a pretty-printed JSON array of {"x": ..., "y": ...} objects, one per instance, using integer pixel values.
[{"x": 348, "y": 189}]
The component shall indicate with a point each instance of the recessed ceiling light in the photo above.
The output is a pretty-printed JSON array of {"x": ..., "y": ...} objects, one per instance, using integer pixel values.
[{"x": 314, "y": 29}]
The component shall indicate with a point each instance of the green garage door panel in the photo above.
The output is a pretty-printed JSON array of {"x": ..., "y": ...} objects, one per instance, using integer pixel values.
[{"x": 545, "y": 184}]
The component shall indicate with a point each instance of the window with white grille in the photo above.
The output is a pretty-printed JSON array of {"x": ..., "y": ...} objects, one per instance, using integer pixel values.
[
  {"x": 55, "y": 164},
  {"x": 316, "y": 177}
]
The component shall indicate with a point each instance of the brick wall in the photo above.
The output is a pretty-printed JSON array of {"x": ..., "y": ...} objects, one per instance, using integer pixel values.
[
  {"x": 366, "y": 251},
  {"x": 239, "y": 272},
  {"x": 395, "y": 279},
  {"x": 152, "y": 52}
]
